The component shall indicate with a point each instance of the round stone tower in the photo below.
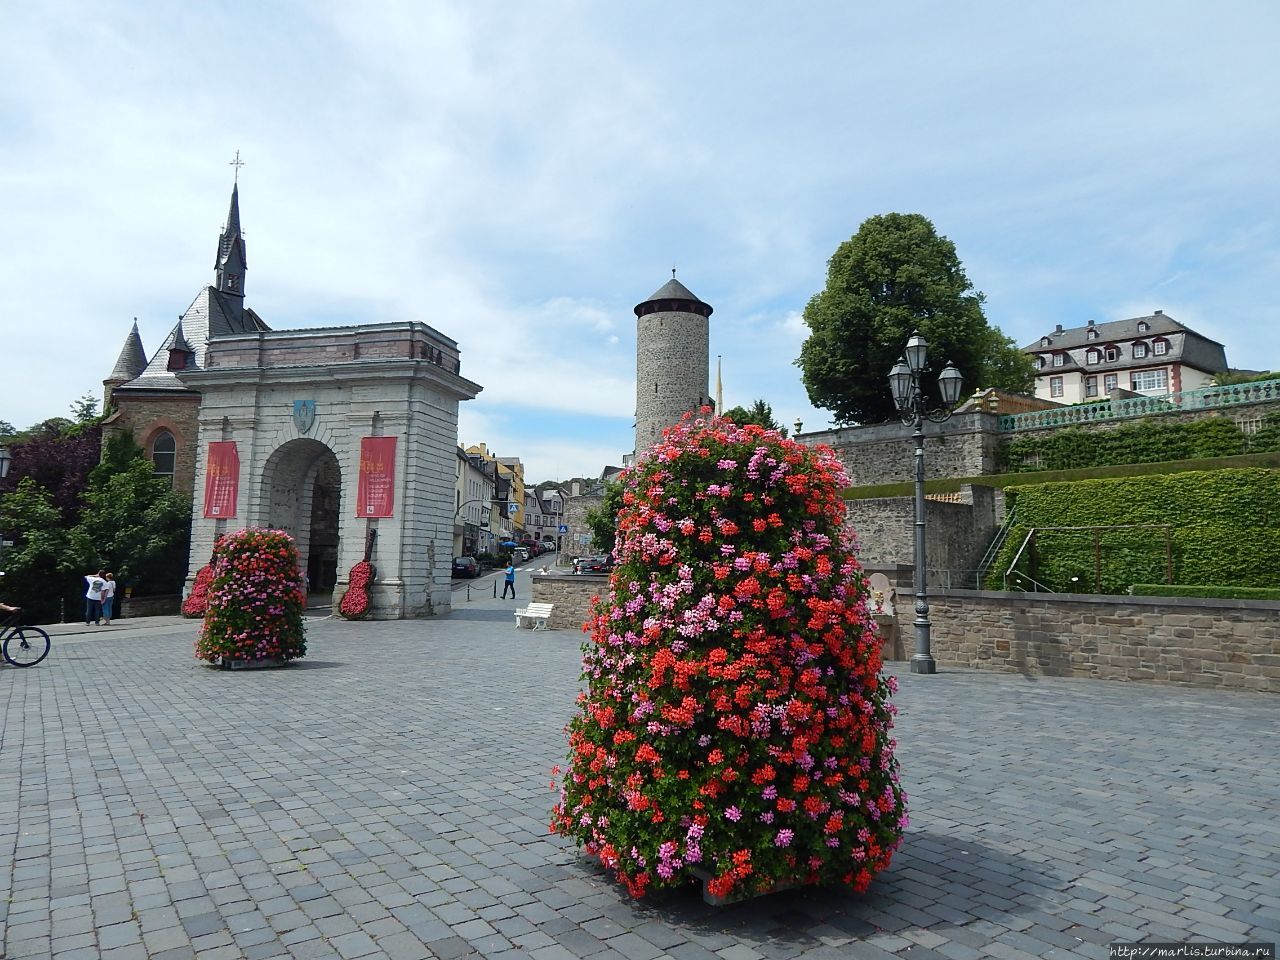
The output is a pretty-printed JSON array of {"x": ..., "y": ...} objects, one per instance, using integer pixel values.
[{"x": 671, "y": 360}]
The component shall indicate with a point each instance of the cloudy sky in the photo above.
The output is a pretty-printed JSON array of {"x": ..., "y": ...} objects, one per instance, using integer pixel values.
[{"x": 520, "y": 175}]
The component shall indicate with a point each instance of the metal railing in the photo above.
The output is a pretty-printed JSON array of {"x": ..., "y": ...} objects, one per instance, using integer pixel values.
[
  {"x": 1205, "y": 398},
  {"x": 994, "y": 548}
]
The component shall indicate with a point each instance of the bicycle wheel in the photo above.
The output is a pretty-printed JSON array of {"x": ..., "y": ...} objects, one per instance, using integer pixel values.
[{"x": 26, "y": 646}]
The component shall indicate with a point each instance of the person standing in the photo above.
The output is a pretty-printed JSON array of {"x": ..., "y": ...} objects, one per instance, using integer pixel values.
[
  {"x": 510, "y": 580},
  {"x": 93, "y": 597},
  {"x": 108, "y": 596}
]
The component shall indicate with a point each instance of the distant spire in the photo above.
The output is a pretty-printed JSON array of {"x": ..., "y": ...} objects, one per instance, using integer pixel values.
[
  {"x": 719, "y": 388},
  {"x": 237, "y": 163}
]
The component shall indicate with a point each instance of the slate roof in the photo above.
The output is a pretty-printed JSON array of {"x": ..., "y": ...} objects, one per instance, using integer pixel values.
[
  {"x": 673, "y": 289},
  {"x": 210, "y": 315},
  {"x": 1185, "y": 345},
  {"x": 132, "y": 360}
]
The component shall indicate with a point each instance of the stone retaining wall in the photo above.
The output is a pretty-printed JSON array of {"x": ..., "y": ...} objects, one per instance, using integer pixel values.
[
  {"x": 1182, "y": 640},
  {"x": 571, "y": 594}
]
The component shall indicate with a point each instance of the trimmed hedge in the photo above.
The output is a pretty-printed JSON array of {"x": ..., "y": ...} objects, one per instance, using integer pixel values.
[
  {"x": 1147, "y": 441},
  {"x": 1215, "y": 593},
  {"x": 1224, "y": 526},
  {"x": 1004, "y": 480}
]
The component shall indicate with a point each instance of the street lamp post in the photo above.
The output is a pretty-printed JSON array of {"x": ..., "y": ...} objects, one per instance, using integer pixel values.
[{"x": 913, "y": 409}]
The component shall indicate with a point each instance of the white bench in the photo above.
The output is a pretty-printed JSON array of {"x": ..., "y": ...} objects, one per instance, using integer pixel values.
[{"x": 534, "y": 616}]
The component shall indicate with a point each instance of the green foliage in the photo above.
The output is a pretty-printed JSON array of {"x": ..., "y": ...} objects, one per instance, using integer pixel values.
[
  {"x": 1001, "y": 481},
  {"x": 1223, "y": 526},
  {"x": 256, "y": 599},
  {"x": 759, "y": 413},
  {"x": 893, "y": 277},
  {"x": 85, "y": 410},
  {"x": 1146, "y": 441},
  {"x": 602, "y": 521},
  {"x": 1229, "y": 377},
  {"x": 134, "y": 524},
  {"x": 1216, "y": 593},
  {"x": 32, "y": 565}
]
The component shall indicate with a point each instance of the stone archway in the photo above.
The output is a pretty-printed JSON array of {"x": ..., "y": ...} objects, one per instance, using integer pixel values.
[{"x": 302, "y": 492}]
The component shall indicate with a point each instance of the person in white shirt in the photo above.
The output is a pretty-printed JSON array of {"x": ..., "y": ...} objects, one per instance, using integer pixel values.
[
  {"x": 108, "y": 596},
  {"x": 93, "y": 597}
]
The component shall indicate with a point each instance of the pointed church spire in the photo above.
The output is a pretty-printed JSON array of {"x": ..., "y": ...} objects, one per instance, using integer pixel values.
[{"x": 229, "y": 269}]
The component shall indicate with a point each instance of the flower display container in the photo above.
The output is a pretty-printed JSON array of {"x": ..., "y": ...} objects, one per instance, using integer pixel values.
[
  {"x": 735, "y": 728},
  {"x": 256, "y": 599}
]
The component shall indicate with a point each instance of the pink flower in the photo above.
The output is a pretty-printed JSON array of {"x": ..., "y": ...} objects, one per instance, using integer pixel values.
[{"x": 784, "y": 838}]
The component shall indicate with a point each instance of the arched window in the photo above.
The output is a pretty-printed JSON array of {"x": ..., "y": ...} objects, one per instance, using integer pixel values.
[{"x": 164, "y": 450}]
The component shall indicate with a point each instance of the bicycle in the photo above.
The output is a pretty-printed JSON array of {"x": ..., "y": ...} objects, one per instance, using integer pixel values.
[{"x": 22, "y": 646}]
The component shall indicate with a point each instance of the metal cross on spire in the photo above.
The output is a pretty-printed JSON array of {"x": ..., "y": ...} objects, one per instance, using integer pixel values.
[
  {"x": 237, "y": 163},
  {"x": 673, "y": 273}
]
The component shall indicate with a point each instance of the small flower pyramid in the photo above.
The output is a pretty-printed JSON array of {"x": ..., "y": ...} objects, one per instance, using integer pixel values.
[{"x": 736, "y": 726}]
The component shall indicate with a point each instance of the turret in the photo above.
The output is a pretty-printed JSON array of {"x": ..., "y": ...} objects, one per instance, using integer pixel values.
[{"x": 672, "y": 333}]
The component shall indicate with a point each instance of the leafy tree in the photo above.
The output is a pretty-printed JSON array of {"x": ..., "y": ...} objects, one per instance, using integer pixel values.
[
  {"x": 59, "y": 462},
  {"x": 893, "y": 277},
  {"x": 32, "y": 522},
  {"x": 759, "y": 413},
  {"x": 135, "y": 525},
  {"x": 85, "y": 409},
  {"x": 7, "y": 430}
]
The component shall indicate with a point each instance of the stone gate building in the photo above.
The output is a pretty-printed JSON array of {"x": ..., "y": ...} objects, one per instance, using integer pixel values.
[{"x": 344, "y": 437}]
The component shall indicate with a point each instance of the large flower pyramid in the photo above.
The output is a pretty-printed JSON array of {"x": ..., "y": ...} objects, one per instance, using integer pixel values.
[
  {"x": 256, "y": 599},
  {"x": 735, "y": 726}
]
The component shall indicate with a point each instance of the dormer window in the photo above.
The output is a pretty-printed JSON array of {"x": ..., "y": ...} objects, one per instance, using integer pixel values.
[
  {"x": 179, "y": 359},
  {"x": 1093, "y": 334},
  {"x": 1093, "y": 356},
  {"x": 1059, "y": 359},
  {"x": 1139, "y": 350},
  {"x": 1143, "y": 326},
  {"x": 1041, "y": 362},
  {"x": 1045, "y": 341},
  {"x": 1113, "y": 353},
  {"x": 1159, "y": 347}
]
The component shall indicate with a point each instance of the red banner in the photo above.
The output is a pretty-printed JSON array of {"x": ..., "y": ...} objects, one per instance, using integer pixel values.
[
  {"x": 221, "y": 479},
  {"x": 375, "y": 493}
]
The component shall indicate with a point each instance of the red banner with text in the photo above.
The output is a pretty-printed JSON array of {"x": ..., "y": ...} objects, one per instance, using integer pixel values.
[
  {"x": 375, "y": 493},
  {"x": 221, "y": 479}
]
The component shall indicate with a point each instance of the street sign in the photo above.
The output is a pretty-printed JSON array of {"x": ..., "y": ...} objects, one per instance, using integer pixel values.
[{"x": 564, "y": 528}]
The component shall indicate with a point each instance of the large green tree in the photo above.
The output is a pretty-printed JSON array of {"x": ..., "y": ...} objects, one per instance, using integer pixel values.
[
  {"x": 760, "y": 413},
  {"x": 894, "y": 276}
]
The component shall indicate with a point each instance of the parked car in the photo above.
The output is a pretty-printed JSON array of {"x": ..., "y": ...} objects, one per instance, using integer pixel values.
[
  {"x": 466, "y": 567},
  {"x": 519, "y": 554},
  {"x": 549, "y": 546},
  {"x": 600, "y": 564}
]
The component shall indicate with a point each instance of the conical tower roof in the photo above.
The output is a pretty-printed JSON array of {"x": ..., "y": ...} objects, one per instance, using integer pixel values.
[
  {"x": 673, "y": 295},
  {"x": 132, "y": 359}
]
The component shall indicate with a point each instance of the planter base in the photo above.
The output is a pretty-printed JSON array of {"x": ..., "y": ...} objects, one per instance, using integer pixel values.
[
  {"x": 715, "y": 901},
  {"x": 253, "y": 664}
]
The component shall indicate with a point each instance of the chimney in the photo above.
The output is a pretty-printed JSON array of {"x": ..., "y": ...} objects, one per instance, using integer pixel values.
[
  {"x": 1091, "y": 323},
  {"x": 1159, "y": 313},
  {"x": 1058, "y": 328}
]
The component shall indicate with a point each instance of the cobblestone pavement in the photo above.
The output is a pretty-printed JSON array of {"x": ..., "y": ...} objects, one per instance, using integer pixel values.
[{"x": 389, "y": 797}]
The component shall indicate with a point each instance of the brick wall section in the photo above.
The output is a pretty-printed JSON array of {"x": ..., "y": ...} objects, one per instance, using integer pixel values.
[
  {"x": 571, "y": 594},
  {"x": 1192, "y": 642},
  {"x": 956, "y": 534},
  {"x": 145, "y": 416},
  {"x": 964, "y": 446},
  {"x": 301, "y": 348}
]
